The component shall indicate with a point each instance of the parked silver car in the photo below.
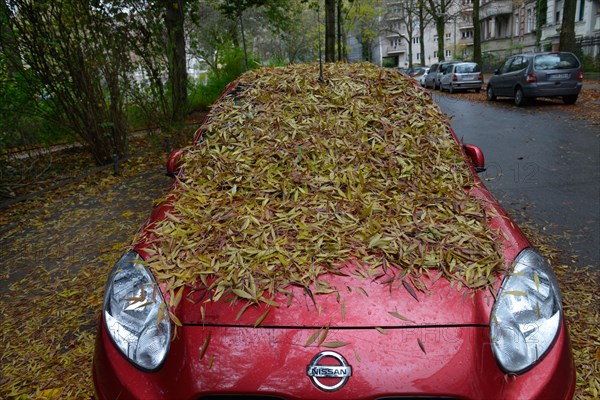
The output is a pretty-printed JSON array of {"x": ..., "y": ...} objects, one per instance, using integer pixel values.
[
  {"x": 432, "y": 79},
  {"x": 462, "y": 76},
  {"x": 419, "y": 74},
  {"x": 527, "y": 76},
  {"x": 431, "y": 76}
]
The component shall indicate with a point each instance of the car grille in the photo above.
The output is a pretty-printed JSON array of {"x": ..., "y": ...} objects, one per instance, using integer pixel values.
[
  {"x": 416, "y": 398},
  {"x": 240, "y": 397},
  {"x": 256, "y": 397}
]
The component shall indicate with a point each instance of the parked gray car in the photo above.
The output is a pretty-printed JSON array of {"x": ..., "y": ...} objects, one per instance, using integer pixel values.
[
  {"x": 462, "y": 76},
  {"x": 432, "y": 79},
  {"x": 431, "y": 76},
  {"x": 527, "y": 76}
]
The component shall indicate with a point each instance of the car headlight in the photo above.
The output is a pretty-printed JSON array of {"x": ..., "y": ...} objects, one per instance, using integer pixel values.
[
  {"x": 527, "y": 315},
  {"x": 134, "y": 313}
]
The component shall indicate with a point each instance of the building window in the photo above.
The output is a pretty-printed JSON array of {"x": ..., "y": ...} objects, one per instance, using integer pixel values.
[
  {"x": 448, "y": 36},
  {"x": 517, "y": 24},
  {"x": 467, "y": 34},
  {"x": 435, "y": 38},
  {"x": 418, "y": 56},
  {"x": 530, "y": 20},
  {"x": 395, "y": 42},
  {"x": 435, "y": 54},
  {"x": 557, "y": 20},
  {"x": 448, "y": 53},
  {"x": 415, "y": 40},
  {"x": 581, "y": 9}
]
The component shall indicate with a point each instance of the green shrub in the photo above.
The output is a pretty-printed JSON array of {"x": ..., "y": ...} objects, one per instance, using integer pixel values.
[
  {"x": 27, "y": 115},
  {"x": 591, "y": 63},
  {"x": 202, "y": 96}
]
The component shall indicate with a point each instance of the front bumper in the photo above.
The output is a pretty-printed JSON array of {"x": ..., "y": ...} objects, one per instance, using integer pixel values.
[{"x": 455, "y": 362}]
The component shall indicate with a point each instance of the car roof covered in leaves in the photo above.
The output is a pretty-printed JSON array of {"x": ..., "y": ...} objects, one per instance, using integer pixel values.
[{"x": 296, "y": 177}]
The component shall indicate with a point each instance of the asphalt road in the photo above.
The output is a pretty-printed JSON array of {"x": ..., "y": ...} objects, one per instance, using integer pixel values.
[{"x": 542, "y": 164}]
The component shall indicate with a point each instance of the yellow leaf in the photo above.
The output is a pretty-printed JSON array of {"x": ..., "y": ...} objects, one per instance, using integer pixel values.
[
  {"x": 399, "y": 316},
  {"x": 262, "y": 318},
  {"x": 205, "y": 346},
  {"x": 380, "y": 330},
  {"x": 243, "y": 294},
  {"x": 335, "y": 344}
]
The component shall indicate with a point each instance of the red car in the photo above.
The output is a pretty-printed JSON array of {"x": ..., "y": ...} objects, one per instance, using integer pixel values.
[{"x": 328, "y": 238}]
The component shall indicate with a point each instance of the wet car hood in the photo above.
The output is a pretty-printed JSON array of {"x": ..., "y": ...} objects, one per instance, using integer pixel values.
[{"x": 355, "y": 300}]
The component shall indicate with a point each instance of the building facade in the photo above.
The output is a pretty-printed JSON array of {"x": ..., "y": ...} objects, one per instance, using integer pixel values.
[
  {"x": 392, "y": 46},
  {"x": 507, "y": 27},
  {"x": 587, "y": 26}
]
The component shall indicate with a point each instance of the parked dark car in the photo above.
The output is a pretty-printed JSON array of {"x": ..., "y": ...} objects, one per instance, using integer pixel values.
[
  {"x": 527, "y": 76},
  {"x": 462, "y": 76}
]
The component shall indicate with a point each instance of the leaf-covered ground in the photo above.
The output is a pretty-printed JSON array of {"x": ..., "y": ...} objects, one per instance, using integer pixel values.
[{"x": 56, "y": 252}]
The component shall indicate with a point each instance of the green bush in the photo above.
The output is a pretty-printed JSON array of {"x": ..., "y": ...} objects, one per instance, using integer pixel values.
[
  {"x": 27, "y": 115},
  {"x": 202, "y": 96},
  {"x": 591, "y": 63}
]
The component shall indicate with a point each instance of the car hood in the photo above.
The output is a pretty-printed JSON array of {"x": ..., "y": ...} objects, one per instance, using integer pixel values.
[
  {"x": 351, "y": 301},
  {"x": 377, "y": 298}
]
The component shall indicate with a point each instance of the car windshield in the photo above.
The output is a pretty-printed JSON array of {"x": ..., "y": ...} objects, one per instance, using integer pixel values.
[
  {"x": 466, "y": 68},
  {"x": 445, "y": 67},
  {"x": 555, "y": 61}
]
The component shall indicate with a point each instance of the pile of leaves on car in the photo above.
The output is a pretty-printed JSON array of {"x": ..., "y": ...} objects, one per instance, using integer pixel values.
[{"x": 297, "y": 176}]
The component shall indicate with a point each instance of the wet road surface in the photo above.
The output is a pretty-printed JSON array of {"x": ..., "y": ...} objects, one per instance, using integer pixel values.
[{"x": 542, "y": 164}]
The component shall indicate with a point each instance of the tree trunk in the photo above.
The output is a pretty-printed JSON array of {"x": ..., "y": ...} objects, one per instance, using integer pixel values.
[
  {"x": 330, "y": 30},
  {"x": 567, "y": 30},
  {"x": 339, "y": 30},
  {"x": 477, "y": 57},
  {"x": 440, "y": 25},
  {"x": 174, "y": 19},
  {"x": 422, "y": 31},
  {"x": 541, "y": 8}
]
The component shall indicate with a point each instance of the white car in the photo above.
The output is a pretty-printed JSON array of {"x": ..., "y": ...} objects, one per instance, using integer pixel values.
[{"x": 419, "y": 75}]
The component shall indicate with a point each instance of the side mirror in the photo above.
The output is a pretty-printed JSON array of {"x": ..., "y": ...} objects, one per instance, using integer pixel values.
[
  {"x": 476, "y": 156},
  {"x": 174, "y": 163},
  {"x": 497, "y": 72}
]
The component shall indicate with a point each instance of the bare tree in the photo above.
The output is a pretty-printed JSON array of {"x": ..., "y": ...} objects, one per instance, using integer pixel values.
[
  {"x": 440, "y": 12},
  {"x": 363, "y": 19},
  {"x": 403, "y": 20},
  {"x": 210, "y": 33},
  {"x": 74, "y": 52}
]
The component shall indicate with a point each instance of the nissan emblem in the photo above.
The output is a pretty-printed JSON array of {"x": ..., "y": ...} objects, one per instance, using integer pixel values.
[{"x": 329, "y": 364}]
